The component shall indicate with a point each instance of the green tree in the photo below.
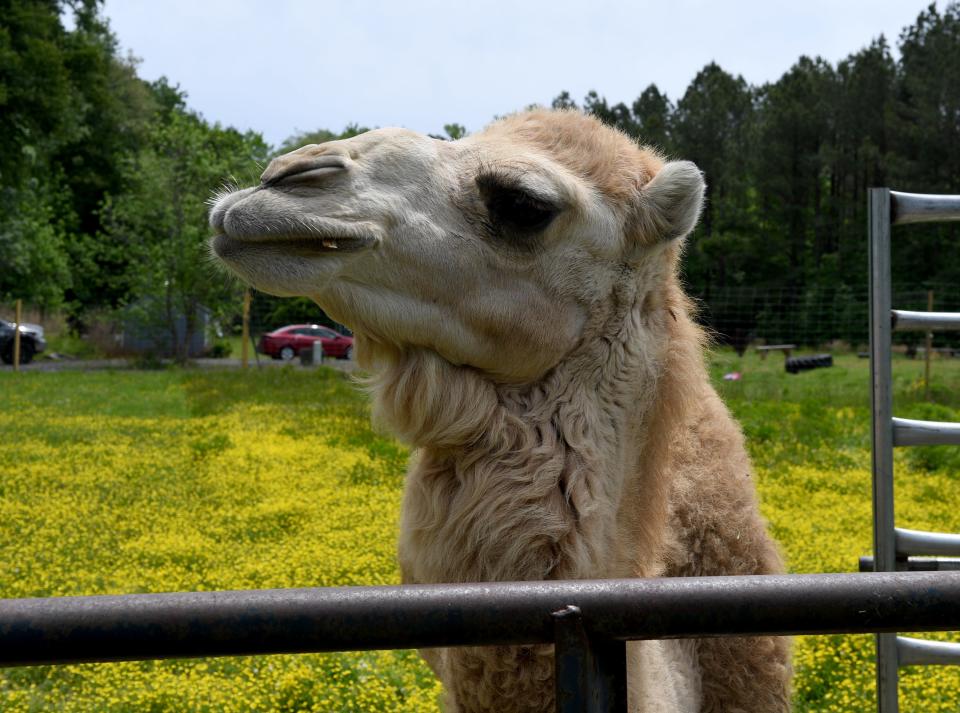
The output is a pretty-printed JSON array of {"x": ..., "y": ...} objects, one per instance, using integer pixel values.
[
  {"x": 71, "y": 113},
  {"x": 37, "y": 102},
  {"x": 563, "y": 101},
  {"x": 859, "y": 155},
  {"x": 929, "y": 131},
  {"x": 713, "y": 126},
  {"x": 455, "y": 131},
  {"x": 927, "y": 140},
  {"x": 796, "y": 130},
  {"x": 652, "y": 114},
  {"x": 33, "y": 240},
  {"x": 160, "y": 223},
  {"x": 618, "y": 115}
]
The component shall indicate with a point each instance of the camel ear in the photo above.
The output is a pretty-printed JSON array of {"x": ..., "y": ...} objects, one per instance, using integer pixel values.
[{"x": 672, "y": 201}]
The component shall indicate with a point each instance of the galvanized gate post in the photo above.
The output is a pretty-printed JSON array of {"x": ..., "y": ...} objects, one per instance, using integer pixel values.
[
  {"x": 895, "y": 547},
  {"x": 590, "y": 674},
  {"x": 884, "y": 544}
]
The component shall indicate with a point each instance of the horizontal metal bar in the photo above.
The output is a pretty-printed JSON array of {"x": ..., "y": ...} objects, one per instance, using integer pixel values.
[
  {"x": 923, "y": 208},
  {"x": 150, "y": 626},
  {"x": 917, "y": 564},
  {"x": 913, "y": 652},
  {"x": 918, "y": 542},
  {"x": 908, "y": 432},
  {"x": 907, "y": 321}
]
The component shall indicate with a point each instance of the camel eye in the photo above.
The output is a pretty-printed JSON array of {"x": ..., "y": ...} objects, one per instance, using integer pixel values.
[
  {"x": 518, "y": 210},
  {"x": 514, "y": 209}
]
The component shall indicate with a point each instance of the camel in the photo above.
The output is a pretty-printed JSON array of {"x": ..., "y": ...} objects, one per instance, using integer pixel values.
[{"x": 514, "y": 296}]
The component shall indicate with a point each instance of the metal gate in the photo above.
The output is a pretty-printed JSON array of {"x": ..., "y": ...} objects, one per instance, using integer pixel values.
[{"x": 897, "y": 548}]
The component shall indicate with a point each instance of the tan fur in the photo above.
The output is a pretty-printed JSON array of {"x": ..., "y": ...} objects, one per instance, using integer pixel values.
[
  {"x": 563, "y": 422},
  {"x": 607, "y": 160}
]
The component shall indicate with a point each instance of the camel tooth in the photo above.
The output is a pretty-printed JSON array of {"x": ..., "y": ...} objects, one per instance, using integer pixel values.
[{"x": 332, "y": 244}]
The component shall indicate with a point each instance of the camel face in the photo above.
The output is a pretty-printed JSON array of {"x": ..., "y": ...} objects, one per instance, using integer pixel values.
[{"x": 491, "y": 250}]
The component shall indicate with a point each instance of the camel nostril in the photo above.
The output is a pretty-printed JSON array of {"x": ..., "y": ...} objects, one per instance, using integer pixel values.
[
  {"x": 221, "y": 203},
  {"x": 291, "y": 168}
]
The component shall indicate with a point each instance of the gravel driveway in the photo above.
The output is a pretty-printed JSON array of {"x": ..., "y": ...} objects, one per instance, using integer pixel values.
[{"x": 92, "y": 364}]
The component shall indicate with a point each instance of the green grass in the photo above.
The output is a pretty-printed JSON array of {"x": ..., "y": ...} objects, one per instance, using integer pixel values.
[
  {"x": 798, "y": 411},
  {"x": 130, "y": 481}
]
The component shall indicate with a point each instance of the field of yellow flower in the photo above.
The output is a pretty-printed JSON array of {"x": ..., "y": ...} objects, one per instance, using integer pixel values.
[{"x": 121, "y": 482}]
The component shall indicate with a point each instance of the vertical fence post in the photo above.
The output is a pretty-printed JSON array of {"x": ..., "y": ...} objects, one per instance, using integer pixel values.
[
  {"x": 590, "y": 675},
  {"x": 245, "y": 343},
  {"x": 928, "y": 348},
  {"x": 16, "y": 335},
  {"x": 881, "y": 378}
]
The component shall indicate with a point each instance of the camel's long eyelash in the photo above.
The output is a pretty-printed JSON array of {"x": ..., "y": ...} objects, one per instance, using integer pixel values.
[{"x": 494, "y": 177}]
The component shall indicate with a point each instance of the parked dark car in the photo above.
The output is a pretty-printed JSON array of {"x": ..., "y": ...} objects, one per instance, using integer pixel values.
[
  {"x": 285, "y": 343},
  {"x": 31, "y": 341}
]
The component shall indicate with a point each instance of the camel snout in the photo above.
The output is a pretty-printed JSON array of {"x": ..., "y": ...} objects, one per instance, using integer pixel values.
[{"x": 221, "y": 202}]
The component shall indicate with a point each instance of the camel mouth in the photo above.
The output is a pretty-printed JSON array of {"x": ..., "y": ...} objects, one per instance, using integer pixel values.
[
  {"x": 276, "y": 231},
  {"x": 229, "y": 247}
]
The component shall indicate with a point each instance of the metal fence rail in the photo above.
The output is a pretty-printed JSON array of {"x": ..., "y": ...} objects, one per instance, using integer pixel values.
[
  {"x": 587, "y": 620},
  {"x": 140, "y": 626},
  {"x": 922, "y": 207},
  {"x": 919, "y": 542},
  {"x": 906, "y": 320},
  {"x": 910, "y": 432},
  {"x": 914, "y": 652}
]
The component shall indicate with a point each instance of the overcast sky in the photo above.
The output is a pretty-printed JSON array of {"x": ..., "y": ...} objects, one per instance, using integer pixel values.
[{"x": 285, "y": 66}]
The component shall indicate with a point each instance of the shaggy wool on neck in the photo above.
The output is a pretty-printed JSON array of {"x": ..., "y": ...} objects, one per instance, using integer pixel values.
[
  {"x": 565, "y": 478},
  {"x": 558, "y": 479}
]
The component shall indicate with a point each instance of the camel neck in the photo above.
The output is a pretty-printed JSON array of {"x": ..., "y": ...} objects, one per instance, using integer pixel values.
[{"x": 553, "y": 484}]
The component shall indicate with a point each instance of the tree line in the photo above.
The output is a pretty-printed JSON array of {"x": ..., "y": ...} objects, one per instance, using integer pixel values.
[
  {"x": 788, "y": 165},
  {"x": 103, "y": 175}
]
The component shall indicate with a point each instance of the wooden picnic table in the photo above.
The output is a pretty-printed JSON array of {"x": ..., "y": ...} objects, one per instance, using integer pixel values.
[{"x": 767, "y": 348}]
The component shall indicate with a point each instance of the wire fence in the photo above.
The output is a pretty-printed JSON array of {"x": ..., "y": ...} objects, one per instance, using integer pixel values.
[{"x": 827, "y": 319}]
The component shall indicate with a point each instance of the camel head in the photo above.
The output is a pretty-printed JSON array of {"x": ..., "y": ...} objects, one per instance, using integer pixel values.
[{"x": 496, "y": 251}]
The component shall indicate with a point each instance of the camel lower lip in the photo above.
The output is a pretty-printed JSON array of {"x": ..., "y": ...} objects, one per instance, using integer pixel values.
[{"x": 226, "y": 246}]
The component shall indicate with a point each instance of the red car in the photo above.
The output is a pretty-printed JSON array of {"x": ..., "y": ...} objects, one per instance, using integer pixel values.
[{"x": 287, "y": 342}]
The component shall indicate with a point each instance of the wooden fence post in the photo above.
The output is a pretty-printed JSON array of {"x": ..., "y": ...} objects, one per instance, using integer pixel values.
[
  {"x": 245, "y": 345},
  {"x": 926, "y": 352},
  {"x": 16, "y": 335}
]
